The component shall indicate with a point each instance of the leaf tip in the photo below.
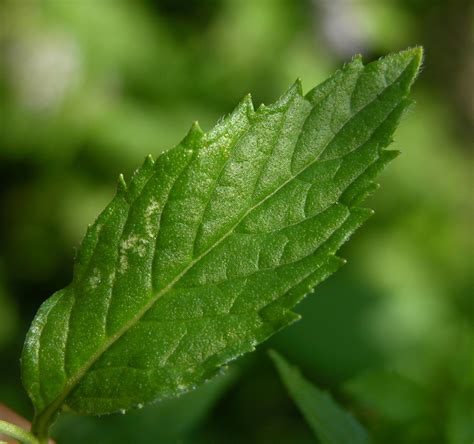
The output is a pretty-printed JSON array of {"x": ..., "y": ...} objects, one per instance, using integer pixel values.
[
  {"x": 278, "y": 360},
  {"x": 406, "y": 64},
  {"x": 273, "y": 354},
  {"x": 416, "y": 56},
  {"x": 419, "y": 57},
  {"x": 418, "y": 53},
  {"x": 281, "y": 364}
]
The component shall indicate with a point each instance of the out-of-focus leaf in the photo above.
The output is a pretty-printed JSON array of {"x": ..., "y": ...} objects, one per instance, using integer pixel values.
[
  {"x": 460, "y": 422},
  {"x": 389, "y": 394},
  {"x": 330, "y": 423}
]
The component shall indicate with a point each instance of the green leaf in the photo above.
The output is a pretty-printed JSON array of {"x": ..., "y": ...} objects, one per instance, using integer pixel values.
[
  {"x": 207, "y": 249},
  {"x": 389, "y": 394},
  {"x": 169, "y": 421},
  {"x": 329, "y": 422}
]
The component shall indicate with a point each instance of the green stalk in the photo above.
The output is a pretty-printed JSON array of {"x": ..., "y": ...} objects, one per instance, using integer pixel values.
[
  {"x": 17, "y": 433},
  {"x": 40, "y": 428}
]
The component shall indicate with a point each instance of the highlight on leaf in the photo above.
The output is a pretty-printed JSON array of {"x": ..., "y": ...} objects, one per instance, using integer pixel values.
[{"x": 206, "y": 250}]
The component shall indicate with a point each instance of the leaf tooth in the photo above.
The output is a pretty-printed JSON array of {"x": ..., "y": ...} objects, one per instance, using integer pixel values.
[
  {"x": 233, "y": 123},
  {"x": 280, "y": 317},
  {"x": 298, "y": 85},
  {"x": 244, "y": 109},
  {"x": 145, "y": 168},
  {"x": 121, "y": 184},
  {"x": 149, "y": 162},
  {"x": 356, "y": 63},
  {"x": 194, "y": 135},
  {"x": 195, "y": 130},
  {"x": 245, "y": 106},
  {"x": 390, "y": 155},
  {"x": 371, "y": 188},
  {"x": 293, "y": 91},
  {"x": 342, "y": 261}
]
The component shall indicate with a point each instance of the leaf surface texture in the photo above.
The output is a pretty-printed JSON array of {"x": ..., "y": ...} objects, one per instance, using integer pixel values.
[{"x": 206, "y": 250}]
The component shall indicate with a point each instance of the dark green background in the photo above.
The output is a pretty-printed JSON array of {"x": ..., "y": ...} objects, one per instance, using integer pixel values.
[{"x": 88, "y": 88}]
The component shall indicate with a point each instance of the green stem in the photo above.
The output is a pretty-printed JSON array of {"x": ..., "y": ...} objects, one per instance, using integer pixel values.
[
  {"x": 17, "y": 433},
  {"x": 40, "y": 429}
]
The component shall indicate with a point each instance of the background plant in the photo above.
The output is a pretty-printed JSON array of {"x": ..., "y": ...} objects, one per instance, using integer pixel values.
[{"x": 395, "y": 314}]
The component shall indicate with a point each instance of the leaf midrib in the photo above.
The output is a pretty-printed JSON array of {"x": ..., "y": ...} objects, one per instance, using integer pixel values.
[{"x": 50, "y": 410}]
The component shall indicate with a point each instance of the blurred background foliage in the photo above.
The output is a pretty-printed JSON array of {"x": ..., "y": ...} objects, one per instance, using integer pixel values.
[{"x": 88, "y": 88}]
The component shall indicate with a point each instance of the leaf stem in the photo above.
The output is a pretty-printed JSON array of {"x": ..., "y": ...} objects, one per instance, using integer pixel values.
[
  {"x": 40, "y": 428},
  {"x": 18, "y": 433}
]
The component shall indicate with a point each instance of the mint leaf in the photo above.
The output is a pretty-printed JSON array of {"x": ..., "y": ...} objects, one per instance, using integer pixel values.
[
  {"x": 204, "y": 253},
  {"x": 329, "y": 422}
]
